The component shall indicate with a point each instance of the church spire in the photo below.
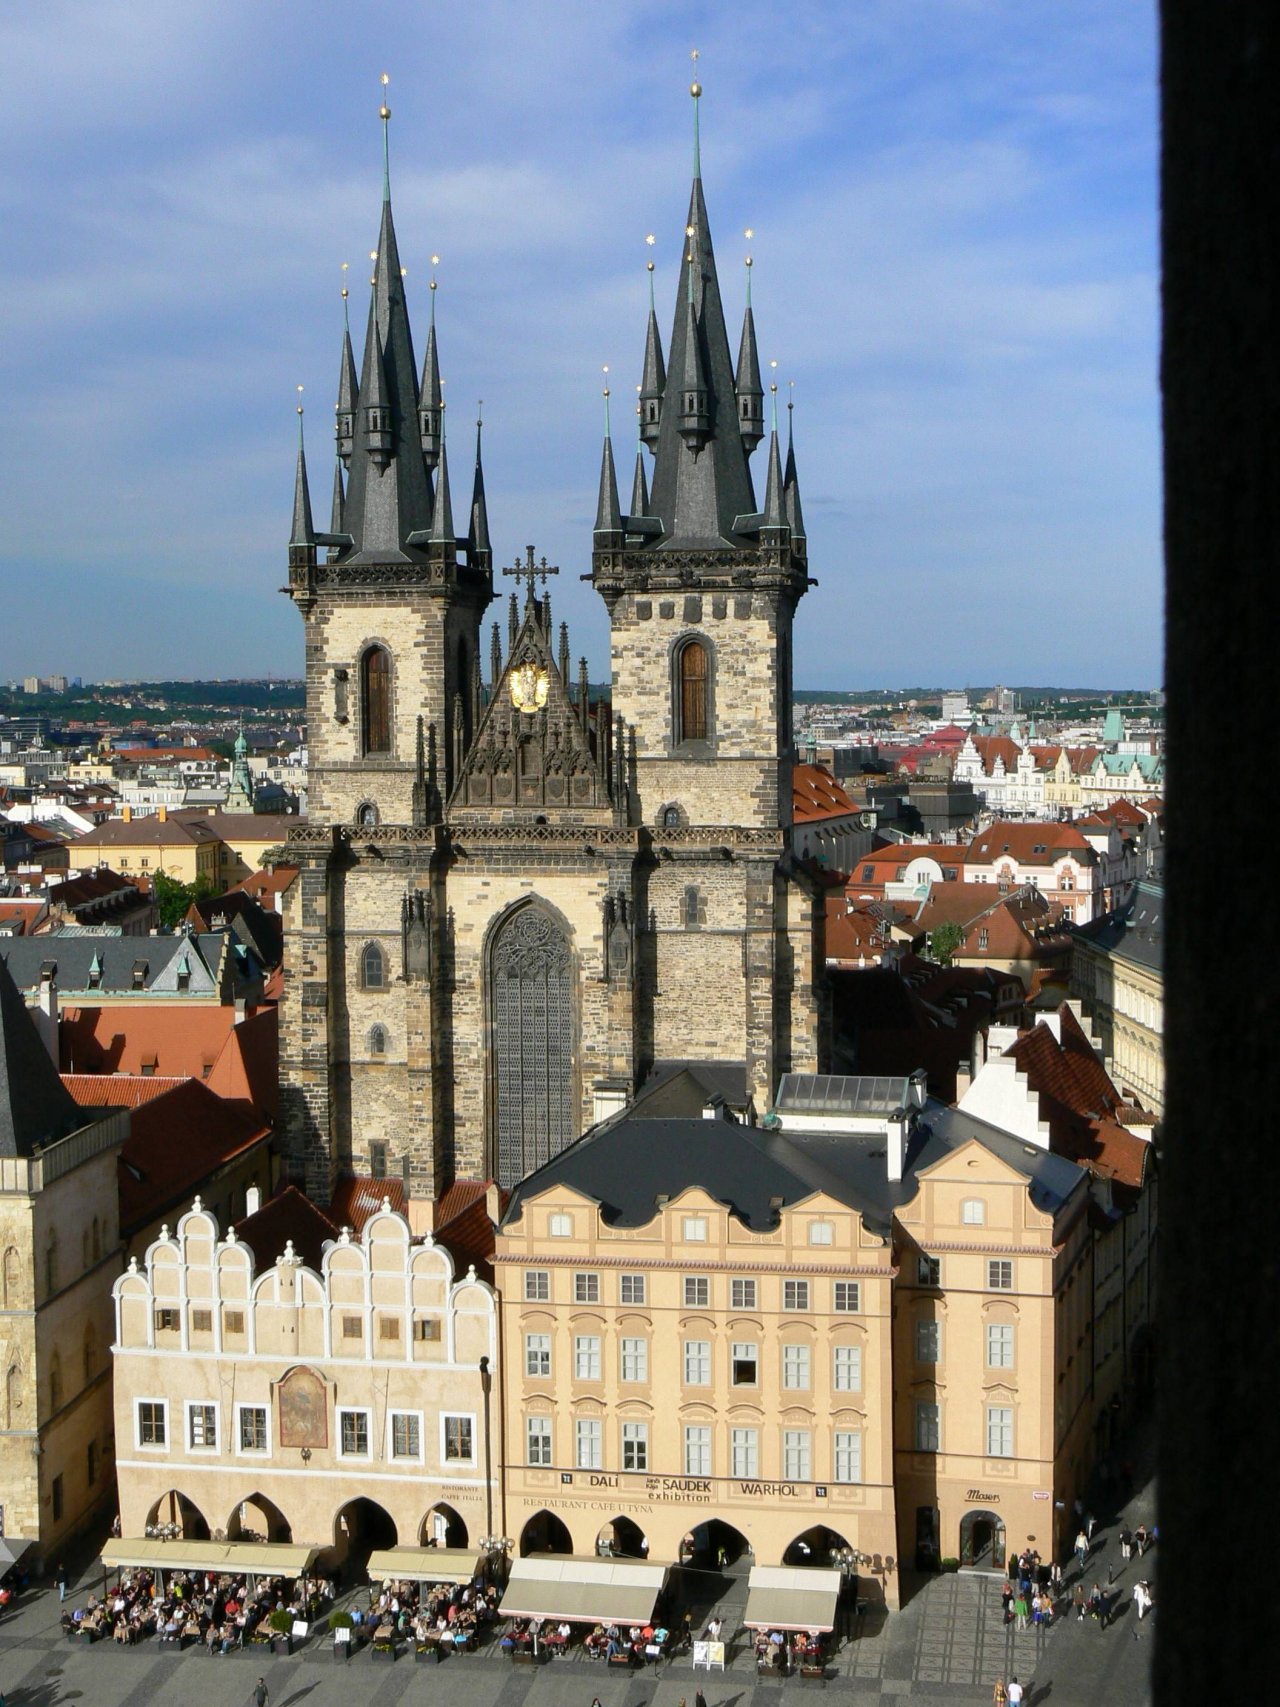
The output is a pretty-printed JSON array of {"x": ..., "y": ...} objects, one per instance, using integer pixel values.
[
  {"x": 791, "y": 484},
  {"x": 442, "y": 516},
  {"x": 608, "y": 509},
  {"x": 639, "y": 482},
  {"x": 654, "y": 380},
  {"x": 747, "y": 384},
  {"x": 775, "y": 515},
  {"x": 348, "y": 390},
  {"x": 302, "y": 539},
  {"x": 430, "y": 397},
  {"x": 478, "y": 547}
]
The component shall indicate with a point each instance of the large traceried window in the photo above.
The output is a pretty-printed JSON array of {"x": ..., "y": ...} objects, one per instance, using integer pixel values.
[
  {"x": 531, "y": 1008},
  {"x": 693, "y": 692},
  {"x": 375, "y": 700}
]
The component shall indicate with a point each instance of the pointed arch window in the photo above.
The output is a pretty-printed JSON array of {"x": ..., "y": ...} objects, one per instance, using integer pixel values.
[
  {"x": 692, "y": 691},
  {"x": 12, "y": 1278},
  {"x": 378, "y": 1041},
  {"x": 375, "y": 697},
  {"x": 373, "y": 967},
  {"x": 533, "y": 1101}
]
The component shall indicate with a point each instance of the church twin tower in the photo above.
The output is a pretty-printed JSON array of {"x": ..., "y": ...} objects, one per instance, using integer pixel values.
[{"x": 516, "y": 902}]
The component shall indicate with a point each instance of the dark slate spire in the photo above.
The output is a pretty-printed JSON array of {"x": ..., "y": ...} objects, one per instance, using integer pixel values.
[
  {"x": 608, "y": 509},
  {"x": 774, "y": 521},
  {"x": 654, "y": 380},
  {"x": 791, "y": 485},
  {"x": 701, "y": 478},
  {"x": 479, "y": 550},
  {"x": 302, "y": 539},
  {"x": 430, "y": 397},
  {"x": 348, "y": 390},
  {"x": 442, "y": 516},
  {"x": 389, "y": 491},
  {"x": 36, "y": 1108},
  {"x": 639, "y": 487},
  {"x": 747, "y": 382}
]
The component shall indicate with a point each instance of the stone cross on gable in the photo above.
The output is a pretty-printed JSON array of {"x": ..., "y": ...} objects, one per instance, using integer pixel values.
[{"x": 531, "y": 569}]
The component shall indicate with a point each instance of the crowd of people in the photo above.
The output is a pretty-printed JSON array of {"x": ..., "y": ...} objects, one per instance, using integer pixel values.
[
  {"x": 781, "y": 1650},
  {"x": 222, "y": 1612},
  {"x": 435, "y": 1615}
]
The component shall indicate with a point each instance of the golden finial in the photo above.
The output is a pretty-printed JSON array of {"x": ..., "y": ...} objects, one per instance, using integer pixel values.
[
  {"x": 344, "y": 279},
  {"x": 435, "y": 262},
  {"x": 605, "y": 371},
  {"x": 695, "y": 88},
  {"x": 748, "y": 234},
  {"x": 650, "y": 266},
  {"x": 688, "y": 231},
  {"x": 299, "y": 400},
  {"x": 384, "y": 111},
  {"x": 404, "y": 272},
  {"x": 650, "y": 239}
]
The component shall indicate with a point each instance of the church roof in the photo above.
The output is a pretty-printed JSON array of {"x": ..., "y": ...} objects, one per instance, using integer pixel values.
[{"x": 36, "y": 1108}]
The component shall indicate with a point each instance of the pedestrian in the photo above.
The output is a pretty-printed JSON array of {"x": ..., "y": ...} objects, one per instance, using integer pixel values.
[
  {"x": 1020, "y": 1611},
  {"x": 260, "y": 1695},
  {"x": 1082, "y": 1547},
  {"x": 1015, "y": 1692},
  {"x": 699, "y": 1700},
  {"x": 1006, "y": 1603},
  {"x": 1077, "y": 1600},
  {"x": 1142, "y": 1596},
  {"x": 1140, "y": 1538},
  {"x": 1055, "y": 1578},
  {"x": 61, "y": 1580},
  {"x": 999, "y": 1695},
  {"x": 1126, "y": 1544},
  {"x": 1096, "y": 1603},
  {"x": 1089, "y": 1523}
]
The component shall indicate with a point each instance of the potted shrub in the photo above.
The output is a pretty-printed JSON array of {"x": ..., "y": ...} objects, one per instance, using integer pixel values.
[
  {"x": 281, "y": 1623},
  {"x": 344, "y": 1636}
]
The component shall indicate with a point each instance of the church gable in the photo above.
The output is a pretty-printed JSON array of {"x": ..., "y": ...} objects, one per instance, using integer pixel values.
[{"x": 535, "y": 751}]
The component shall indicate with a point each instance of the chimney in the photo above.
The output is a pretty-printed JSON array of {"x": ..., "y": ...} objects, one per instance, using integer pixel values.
[
  {"x": 162, "y": 813},
  {"x": 126, "y": 814},
  {"x": 252, "y": 1200},
  {"x": 46, "y": 1015}
]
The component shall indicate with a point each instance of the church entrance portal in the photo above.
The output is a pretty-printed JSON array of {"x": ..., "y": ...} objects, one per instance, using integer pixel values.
[
  {"x": 534, "y": 1110},
  {"x": 982, "y": 1541}
]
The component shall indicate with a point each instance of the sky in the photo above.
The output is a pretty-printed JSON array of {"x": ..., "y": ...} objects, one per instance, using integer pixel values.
[{"x": 954, "y": 216}]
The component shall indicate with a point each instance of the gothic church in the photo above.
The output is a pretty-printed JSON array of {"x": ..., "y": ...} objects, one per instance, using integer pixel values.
[{"x": 517, "y": 903}]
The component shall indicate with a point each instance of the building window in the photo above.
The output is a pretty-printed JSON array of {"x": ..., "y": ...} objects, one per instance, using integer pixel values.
[
  {"x": 202, "y": 1427},
  {"x": 459, "y": 1443},
  {"x": 378, "y": 1153},
  {"x": 999, "y": 1431},
  {"x": 373, "y": 967},
  {"x": 537, "y": 1286},
  {"x": 795, "y": 1366},
  {"x": 426, "y": 1328},
  {"x": 695, "y": 1229},
  {"x": 406, "y": 1435},
  {"x": 537, "y": 1436},
  {"x": 745, "y": 1365},
  {"x": 697, "y": 1363},
  {"x": 353, "y": 1432},
  {"x": 697, "y": 1292},
  {"x": 928, "y": 1271},
  {"x": 635, "y": 1446},
  {"x": 586, "y": 1357},
  {"x": 797, "y": 1454},
  {"x": 1000, "y": 1275},
  {"x": 166, "y": 1321},
  {"x": 973, "y": 1212},
  {"x": 670, "y": 819},
  {"x": 537, "y": 1354},
  {"x": 631, "y": 1289},
  {"x": 984, "y": 937},
  {"x": 253, "y": 1429},
  {"x": 928, "y": 1430},
  {"x": 693, "y": 692},
  {"x": 821, "y": 1233},
  {"x": 153, "y": 1422},
  {"x": 378, "y": 1048},
  {"x": 388, "y": 1327},
  {"x": 795, "y": 1295},
  {"x": 848, "y": 1369},
  {"x": 745, "y": 1446},
  {"x": 693, "y": 908},
  {"x": 848, "y": 1456},
  {"x": 586, "y": 1288},
  {"x": 532, "y": 998},
  {"x": 1000, "y": 1345},
  {"x": 742, "y": 1294},
  {"x": 233, "y": 1321},
  {"x": 928, "y": 1342},
  {"x": 353, "y": 1327},
  {"x": 847, "y": 1297},
  {"x": 375, "y": 695},
  {"x": 697, "y": 1451},
  {"x": 635, "y": 1360},
  {"x": 588, "y": 1435},
  {"x": 202, "y": 1321},
  {"x": 560, "y": 1226}
]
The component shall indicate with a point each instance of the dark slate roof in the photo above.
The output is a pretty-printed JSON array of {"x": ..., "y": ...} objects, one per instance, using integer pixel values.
[
  {"x": 117, "y": 956},
  {"x": 36, "y": 1108},
  {"x": 1143, "y": 940},
  {"x": 684, "y": 1088},
  {"x": 626, "y": 1165}
]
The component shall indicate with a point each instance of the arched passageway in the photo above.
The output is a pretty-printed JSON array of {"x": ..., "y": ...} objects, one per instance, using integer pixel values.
[
  {"x": 442, "y": 1527},
  {"x": 175, "y": 1515},
  {"x": 819, "y": 1546},
  {"x": 715, "y": 1545},
  {"x": 622, "y": 1539},
  {"x": 256, "y": 1518},
  {"x": 544, "y": 1533}
]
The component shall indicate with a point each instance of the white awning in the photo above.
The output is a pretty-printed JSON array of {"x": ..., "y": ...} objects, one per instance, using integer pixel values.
[
  {"x": 582, "y": 1590},
  {"x": 426, "y": 1564},
  {"x": 234, "y": 1558},
  {"x": 780, "y": 1597}
]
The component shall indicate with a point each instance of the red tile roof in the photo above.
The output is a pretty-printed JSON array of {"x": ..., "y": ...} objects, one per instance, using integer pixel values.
[
  {"x": 1023, "y": 840},
  {"x": 289, "y": 1217},
  {"x": 1079, "y": 1101},
  {"x": 175, "y": 1142},
  {"x": 116, "y": 1090},
  {"x": 816, "y": 794},
  {"x": 463, "y": 1225},
  {"x": 358, "y": 1196}
]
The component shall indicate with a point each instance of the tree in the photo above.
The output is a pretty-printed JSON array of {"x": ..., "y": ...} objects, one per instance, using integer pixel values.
[
  {"x": 174, "y": 898},
  {"x": 944, "y": 940}
]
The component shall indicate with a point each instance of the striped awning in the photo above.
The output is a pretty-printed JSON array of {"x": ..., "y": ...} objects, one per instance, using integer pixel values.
[
  {"x": 234, "y": 1558},
  {"x": 792, "y": 1598},
  {"x": 582, "y": 1590},
  {"x": 426, "y": 1564}
]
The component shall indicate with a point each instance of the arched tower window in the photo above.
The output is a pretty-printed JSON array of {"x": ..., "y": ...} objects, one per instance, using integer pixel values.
[
  {"x": 12, "y": 1278},
  {"x": 378, "y": 1040},
  {"x": 373, "y": 967},
  {"x": 532, "y": 1101},
  {"x": 692, "y": 692},
  {"x": 375, "y": 699},
  {"x": 367, "y": 816}
]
